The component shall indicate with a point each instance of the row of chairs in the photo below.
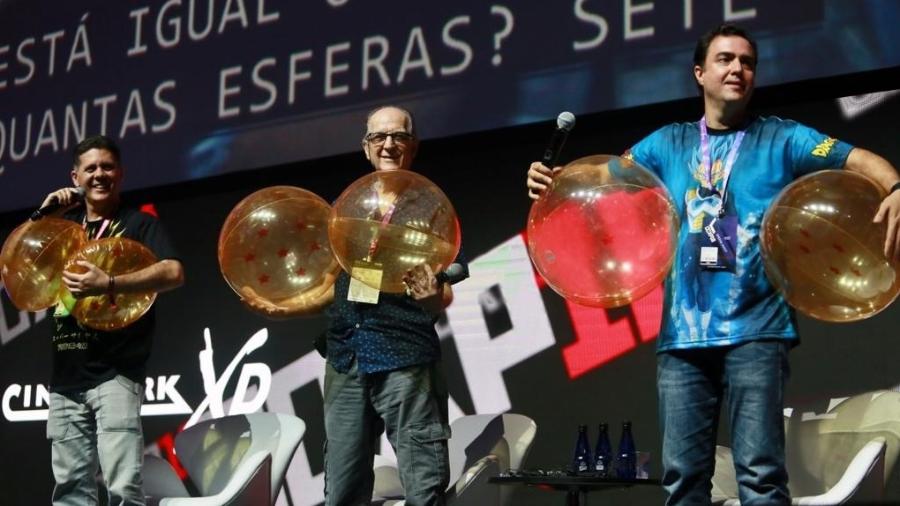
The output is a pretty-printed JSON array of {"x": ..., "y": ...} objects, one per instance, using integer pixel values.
[
  {"x": 236, "y": 460},
  {"x": 843, "y": 456},
  {"x": 242, "y": 460}
]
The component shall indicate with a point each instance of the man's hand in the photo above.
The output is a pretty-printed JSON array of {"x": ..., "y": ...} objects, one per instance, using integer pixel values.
[
  {"x": 65, "y": 197},
  {"x": 91, "y": 282},
  {"x": 539, "y": 178},
  {"x": 421, "y": 282},
  {"x": 883, "y": 173},
  {"x": 422, "y": 285},
  {"x": 889, "y": 213},
  {"x": 307, "y": 303},
  {"x": 251, "y": 299}
]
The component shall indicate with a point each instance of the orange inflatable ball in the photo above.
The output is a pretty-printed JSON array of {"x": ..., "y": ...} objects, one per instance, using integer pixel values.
[
  {"x": 390, "y": 221},
  {"x": 114, "y": 256},
  {"x": 822, "y": 251},
  {"x": 33, "y": 258},
  {"x": 273, "y": 248},
  {"x": 604, "y": 232}
]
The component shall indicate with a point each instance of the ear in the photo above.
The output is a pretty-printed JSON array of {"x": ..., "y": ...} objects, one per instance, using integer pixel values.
[
  {"x": 74, "y": 177},
  {"x": 365, "y": 147},
  {"x": 698, "y": 74}
]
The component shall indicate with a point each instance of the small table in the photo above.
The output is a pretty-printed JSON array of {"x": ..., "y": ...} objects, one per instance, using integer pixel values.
[{"x": 576, "y": 487}]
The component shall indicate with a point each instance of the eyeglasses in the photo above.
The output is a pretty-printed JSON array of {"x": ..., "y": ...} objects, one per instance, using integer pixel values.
[{"x": 379, "y": 138}]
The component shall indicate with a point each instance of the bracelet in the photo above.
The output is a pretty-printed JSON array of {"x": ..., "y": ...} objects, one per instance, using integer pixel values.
[
  {"x": 894, "y": 188},
  {"x": 111, "y": 286}
]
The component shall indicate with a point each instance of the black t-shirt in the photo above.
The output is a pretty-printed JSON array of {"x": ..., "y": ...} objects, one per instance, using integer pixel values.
[{"x": 84, "y": 357}]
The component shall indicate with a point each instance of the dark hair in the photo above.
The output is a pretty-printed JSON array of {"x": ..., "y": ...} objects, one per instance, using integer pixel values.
[
  {"x": 412, "y": 120},
  {"x": 96, "y": 142},
  {"x": 723, "y": 30}
]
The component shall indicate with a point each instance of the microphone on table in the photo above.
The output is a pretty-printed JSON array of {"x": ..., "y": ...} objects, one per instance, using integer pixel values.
[
  {"x": 564, "y": 124},
  {"x": 55, "y": 205}
]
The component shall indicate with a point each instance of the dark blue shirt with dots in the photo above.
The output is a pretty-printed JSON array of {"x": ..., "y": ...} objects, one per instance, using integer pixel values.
[{"x": 396, "y": 332}]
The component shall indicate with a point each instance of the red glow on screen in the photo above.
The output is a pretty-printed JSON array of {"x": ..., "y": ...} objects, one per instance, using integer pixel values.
[
  {"x": 166, "y": 444},
  {"x": 601, "y": 335},
  {"x": 150, "y": 209}
]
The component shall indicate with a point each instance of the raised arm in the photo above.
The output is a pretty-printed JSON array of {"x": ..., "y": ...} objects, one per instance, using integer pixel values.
[{"x": 539, "y": 178}]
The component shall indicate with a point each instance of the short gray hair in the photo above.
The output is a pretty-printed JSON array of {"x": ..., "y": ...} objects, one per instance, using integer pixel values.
[{"x": 409, "y": 116}]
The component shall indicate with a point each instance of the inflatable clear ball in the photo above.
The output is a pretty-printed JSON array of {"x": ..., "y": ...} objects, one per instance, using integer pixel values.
[
  {"x": 33, "y": 258},
  {"x": 604, "y": 233},
  {"x": 390, "y": 221},
  {"x": 273, "y": 248},
  {"x": 115, "y": 256},
  {"x": 822, "y": 251}
]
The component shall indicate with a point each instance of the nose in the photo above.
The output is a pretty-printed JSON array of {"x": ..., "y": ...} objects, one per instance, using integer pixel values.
[
  {"x": 389, "y": 141},
  {"x": 103, "y": 174}
]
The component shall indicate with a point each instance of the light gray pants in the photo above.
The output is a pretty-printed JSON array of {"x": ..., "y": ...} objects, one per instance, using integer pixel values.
[
  {"x": 411, "y": 404},
  {"x": 97, "y": 427}
]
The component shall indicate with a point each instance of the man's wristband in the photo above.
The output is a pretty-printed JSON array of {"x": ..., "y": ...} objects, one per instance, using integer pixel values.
[
  {"x": 894, "y": 188},
  {"x": 111, "y": 286}
]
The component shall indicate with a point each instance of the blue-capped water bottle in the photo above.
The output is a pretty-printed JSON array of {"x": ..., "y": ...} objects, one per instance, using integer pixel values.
[
  {"x": 603, "y": 452},
  {"x": 581, "y": 462},
  {"x": 625, "y": 458}
]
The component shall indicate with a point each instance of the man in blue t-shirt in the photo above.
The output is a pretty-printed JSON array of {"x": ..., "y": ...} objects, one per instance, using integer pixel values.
[
  {"x": 726, "y": 332},
  {"x": 383, "y": 369}
]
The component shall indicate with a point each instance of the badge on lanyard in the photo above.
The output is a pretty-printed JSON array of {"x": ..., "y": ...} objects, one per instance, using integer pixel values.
[
  {"x": 367, "y": 274},
  {"x": 718, "y": 244},
  {"x": 363, "y": 277}
]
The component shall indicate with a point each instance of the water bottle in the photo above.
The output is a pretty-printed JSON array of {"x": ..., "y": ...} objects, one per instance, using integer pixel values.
[
  {"x": 603, "y": 452},
  {"x": 581, "y": 462},
  {"x": 625, "y": 458}
]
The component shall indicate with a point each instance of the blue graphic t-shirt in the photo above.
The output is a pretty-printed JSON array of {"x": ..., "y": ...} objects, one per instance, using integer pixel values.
[{"x": 706, "y": 308}]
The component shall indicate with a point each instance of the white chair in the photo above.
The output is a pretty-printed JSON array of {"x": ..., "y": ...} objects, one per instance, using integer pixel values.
[
  {"x": 509, "y": 436},
  {"x": 481, "y": 446},
  {"x": 234, "y": 460},
  {"x": 843, "y": 456}
]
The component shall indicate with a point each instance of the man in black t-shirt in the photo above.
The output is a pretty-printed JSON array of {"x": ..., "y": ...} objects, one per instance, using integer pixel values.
[{"x": 97, "y": 384}]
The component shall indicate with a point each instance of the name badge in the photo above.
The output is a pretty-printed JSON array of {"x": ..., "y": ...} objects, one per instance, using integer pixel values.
[
  {"x": 709, "y": 256},
  {"x": 363, "y": 280},
  {"x": 718, "y": 246}
]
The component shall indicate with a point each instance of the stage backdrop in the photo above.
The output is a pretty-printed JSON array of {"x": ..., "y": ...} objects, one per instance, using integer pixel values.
[
  {"x": 509, "y": 343},
  {"x": 195, "y": 88}
]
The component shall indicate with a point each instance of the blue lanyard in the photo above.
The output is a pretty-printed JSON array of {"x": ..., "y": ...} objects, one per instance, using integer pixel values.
[{"x": 707, "y": 163}]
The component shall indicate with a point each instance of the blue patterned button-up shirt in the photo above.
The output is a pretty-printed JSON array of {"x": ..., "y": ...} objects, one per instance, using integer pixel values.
[{"x": 396, "y": 332}]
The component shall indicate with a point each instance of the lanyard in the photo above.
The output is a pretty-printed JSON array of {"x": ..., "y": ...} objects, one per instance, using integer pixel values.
[
  {"x": 102, "y": 229},
  {"x": 707, "y": 163},
  {"x": 385, "y": 219}
]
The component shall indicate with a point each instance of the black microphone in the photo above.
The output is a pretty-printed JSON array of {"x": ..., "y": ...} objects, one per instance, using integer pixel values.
[
  {"x": 454, "y": 273},
  {"x": 564, "y": 123},
  {"x": 54, "y": 205}
]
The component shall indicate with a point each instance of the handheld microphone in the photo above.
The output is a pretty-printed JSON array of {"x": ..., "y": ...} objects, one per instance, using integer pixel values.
[
  {"x": 454, "y": 273},
  {"x": 54, "y": 205},
  {"x": 564, "y": 124}
]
